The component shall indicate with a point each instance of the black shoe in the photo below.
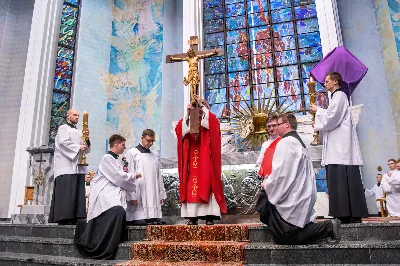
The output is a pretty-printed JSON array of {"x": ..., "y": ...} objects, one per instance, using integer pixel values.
[
  {"x": 209, "y": 222},
  {"x": 192, "y": 222},
  {"x": 335, "y": 234},
  {"x": 355, "y": 220}
]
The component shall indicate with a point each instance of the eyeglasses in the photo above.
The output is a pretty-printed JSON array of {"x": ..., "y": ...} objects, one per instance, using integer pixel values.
[
  {"x": 281, "y": 123},
  {"x": 150, "y": 140},
  {"x": 269, "y": 126}
]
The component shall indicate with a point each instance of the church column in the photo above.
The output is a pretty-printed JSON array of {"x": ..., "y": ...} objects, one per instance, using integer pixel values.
[
  {"x": 192, "y": 21},
  {"x": 33, "y": 125},
  {"x": 329, "y": 25}
]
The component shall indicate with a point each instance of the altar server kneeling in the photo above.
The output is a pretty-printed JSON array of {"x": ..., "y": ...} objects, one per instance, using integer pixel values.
[{"x": 99, "y": 236}]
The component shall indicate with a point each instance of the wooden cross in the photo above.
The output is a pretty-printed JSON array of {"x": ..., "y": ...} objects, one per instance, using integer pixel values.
[{"x": 193, "y": 56}]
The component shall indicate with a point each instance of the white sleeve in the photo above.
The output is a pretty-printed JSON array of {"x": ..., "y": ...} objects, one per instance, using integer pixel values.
[
  {"x": 283, "y": 172},
  {"x": 369, "y": 193},
  {"x": 131, "y": 169},
  {"x": 332, "y": 117},
  {"x": 163, "y": 194},
  {"x": 391, "y": 183},
  {"x": 65, "y": 145},
  {"x": 116, "y": 174}
]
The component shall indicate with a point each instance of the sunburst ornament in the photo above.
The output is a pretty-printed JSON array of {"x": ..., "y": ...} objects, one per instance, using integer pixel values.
[{"x": 249, "y": 125}]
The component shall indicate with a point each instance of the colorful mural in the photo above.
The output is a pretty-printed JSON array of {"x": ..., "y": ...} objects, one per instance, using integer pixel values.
[
  {"x": 394, "y": 11},
  {"x": 133, "y": 84}
]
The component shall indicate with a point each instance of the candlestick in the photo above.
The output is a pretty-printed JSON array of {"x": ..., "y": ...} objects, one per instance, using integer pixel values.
[
  {"x": 84, "y": 137},
  {"x": 313, "y": 100}
]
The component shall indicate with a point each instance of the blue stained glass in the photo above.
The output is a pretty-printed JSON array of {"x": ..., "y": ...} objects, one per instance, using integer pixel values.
[
  {"x": 255, "y": 7},
  {"x": 238, "y": 78},
  {"x": 213, "y": 26},
  {"x": 219, "y": 110},
  {"x": 227, "y": 2},
  {"x": 66, "y": 30},
  {"x": 303, "y": 12},
  {"x": 307, "y": 25},
  {"x": 258, "y": 19},
  {"x": 287, "y": 73},
  {"x": 261, "y": 46},
  {"x": 235, "y": 23},
  {"x": 63, "y": 63},
  {"x": 281, "y": 15},
  {"x": 321, "y": 100},
  {"x": 261, "y": 61},
  {"x": 311, "y": 54},
  {"x": 285, "y": 43},
  {"x": 62, "y": 84},
  {"x": 303, "y": 2},
  {"x": 234, "y": 10},
  {"x": 210, "y": 3},
  {"x": 292, "y": 103},
  {"x": 309, "y": 40},
  {"x": 72, "y": 2},
  {"x": 236, "y": 36},
  {"x": 216, "y": 96},
  {"x": 260, "y": 33},
  {"x": 60, "y": 104},
  {"x": 266, "y": 91},
  {"x": 237, "y": 94},
  {"x": 56, "y": 121},
  {"x": 318, "y": 87},
  {"x": 238, "y": 49},
  {"x": 214, "y": 66},
  {"x": 306, "y": 68},
  {"x": 263, "y": 75},
  {"x": 64, "y": 73},
  {"x": 286, "y": 58},
  {"x": 283, "y": 29},
  {"x": 52, "y": 135},
  {"x": 215, "y": 81},
  {"x": 290, "y": 87},
  {"x": 65, "y": 52},
  {"x": 213, "y": 13},
  {"x": 214, "y": 39},
  {"x": 237, "y": 64},
  {"x": 277, "y": 4}
]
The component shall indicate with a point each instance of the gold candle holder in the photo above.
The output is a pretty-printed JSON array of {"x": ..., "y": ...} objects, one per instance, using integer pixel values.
[
  {"x": 313, "y": 101},
  {"x": 84, "y": 137}
]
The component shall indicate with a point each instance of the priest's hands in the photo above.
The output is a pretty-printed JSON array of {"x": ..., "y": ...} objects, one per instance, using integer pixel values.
[
  {"x": 161, "y": 202},
  {"x": 134, "y": 202},
  {"x": 86, "y": 133},
  {"x": 314, "y": 108},
  {"x": 138, "y": 175},
  {"x": 83, "y": 147}
]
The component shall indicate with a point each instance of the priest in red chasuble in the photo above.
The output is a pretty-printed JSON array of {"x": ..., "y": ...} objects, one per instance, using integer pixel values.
[{"x": 199, "y": 167}]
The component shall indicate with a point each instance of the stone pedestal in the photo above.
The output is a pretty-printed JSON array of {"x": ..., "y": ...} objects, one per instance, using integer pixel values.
[{"x": 42, "y": 178}]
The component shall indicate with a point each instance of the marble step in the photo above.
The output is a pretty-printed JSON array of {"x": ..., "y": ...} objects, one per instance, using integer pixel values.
[
  {"x": 24, "y": 259},
  {"x": 346, "y": 252},
  {"x": 257, "y": 233},
  {"x": 52, "y": 246}
]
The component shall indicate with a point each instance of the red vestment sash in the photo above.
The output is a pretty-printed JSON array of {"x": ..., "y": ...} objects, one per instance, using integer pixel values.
[
  {"x": 194, "y": 170},
  {"x": 266, "y": 165}
]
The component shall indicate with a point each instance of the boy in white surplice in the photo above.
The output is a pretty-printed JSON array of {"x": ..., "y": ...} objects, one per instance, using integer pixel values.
[{"x": 145, "y": 203}]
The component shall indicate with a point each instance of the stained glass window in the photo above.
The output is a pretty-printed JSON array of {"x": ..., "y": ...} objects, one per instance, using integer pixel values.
[
  {"x": 269, "y": 47},
  {"x": 64, "y": 66}
]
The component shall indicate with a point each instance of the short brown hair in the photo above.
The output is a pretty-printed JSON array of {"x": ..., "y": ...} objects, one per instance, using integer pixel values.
[
  {"x": 392, "y": 160},
  {"x": 115, "y": 139},
  {"x": 148, "y": 132},
  {"x": 336, "y": 76},
  {"x": 290, "y": 118},
  {"x": 272, "y": 118}
]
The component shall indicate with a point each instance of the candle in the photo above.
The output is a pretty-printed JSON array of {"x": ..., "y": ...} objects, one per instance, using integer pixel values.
[
  {"x": 85, "y": 121},
  {"x": 311, "y": 89}
]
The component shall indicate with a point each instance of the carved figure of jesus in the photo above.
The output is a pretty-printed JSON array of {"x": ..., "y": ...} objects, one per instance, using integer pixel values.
[{"x": 193, "y": 77}]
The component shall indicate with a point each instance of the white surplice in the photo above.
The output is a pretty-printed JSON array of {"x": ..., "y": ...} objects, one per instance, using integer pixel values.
[
  {"x": 150, "y": 188},
  {"x": 340, "y": 141},
  {"x": 264, "y": 147},
  {"x": 67, "y": 151},
  {"x": 391, "y": 185},
  {"x": 109, "y": 187},
  {"x": 291, "y": 187},
  {"x": 375, "y": 191}
]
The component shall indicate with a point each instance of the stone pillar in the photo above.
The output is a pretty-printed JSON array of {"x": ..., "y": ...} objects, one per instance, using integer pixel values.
[
  {"x": 34, "y": 118},
  {"x": 37, "y": 212}
]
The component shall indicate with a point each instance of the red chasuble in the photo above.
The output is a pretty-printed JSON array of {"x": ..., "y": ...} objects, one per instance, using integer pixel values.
[
  {"x": 266, "y": 165},
  {"x": 200, "y": 165}
]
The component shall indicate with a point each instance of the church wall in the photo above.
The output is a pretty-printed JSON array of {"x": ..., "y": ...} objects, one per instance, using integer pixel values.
[
  {"x": 15, "y": 25},
  {"x": 93, "y": 60},
  {"x": 375, "y": 129}
]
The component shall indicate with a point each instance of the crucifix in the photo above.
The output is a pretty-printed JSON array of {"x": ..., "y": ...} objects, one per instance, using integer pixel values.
[{"x": 193, "y": 56}]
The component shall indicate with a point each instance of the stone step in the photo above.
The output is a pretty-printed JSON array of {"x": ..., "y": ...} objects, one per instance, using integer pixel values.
[
  {"x": 24, "y": 259},
  {"x": 52, "y": 246},
  {"x": 346, "y": 252}
]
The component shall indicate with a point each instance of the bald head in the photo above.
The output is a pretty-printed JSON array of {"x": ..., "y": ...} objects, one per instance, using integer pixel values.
[{"x": 72, "y": 116}]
